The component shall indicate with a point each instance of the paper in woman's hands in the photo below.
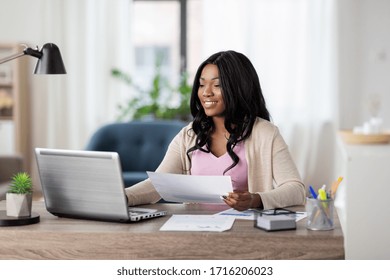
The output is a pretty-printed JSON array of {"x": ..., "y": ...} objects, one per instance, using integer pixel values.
[{"x": 190, "y": 188}]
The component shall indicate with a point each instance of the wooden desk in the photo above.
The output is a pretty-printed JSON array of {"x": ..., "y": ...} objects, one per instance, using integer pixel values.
[{"x": 61, "y": 238}]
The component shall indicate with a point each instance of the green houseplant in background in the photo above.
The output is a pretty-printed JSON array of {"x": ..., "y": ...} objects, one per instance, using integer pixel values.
[
  {"x": 19, "y": 196},
  {"x": 152, "y": 103}
]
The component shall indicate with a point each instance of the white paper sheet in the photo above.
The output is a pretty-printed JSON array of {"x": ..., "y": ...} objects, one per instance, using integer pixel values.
[
  {"x": 242, "y": 215},
  {"x": 198, "y": 223},
  {"x": 250, "y": 215},
  {"x": 190, "y": 188},
  {"x": 298, "y": 216}
]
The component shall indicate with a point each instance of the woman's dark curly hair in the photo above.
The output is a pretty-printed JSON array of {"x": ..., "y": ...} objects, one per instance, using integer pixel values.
[{"x": 242, "y": 96}]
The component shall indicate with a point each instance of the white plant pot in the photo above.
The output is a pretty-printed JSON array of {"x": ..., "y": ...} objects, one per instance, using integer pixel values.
[{"x": 19, "y": 205}]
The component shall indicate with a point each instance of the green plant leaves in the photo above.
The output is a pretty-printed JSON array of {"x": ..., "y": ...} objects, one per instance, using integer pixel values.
[
  {"x": 21, "y": 183},
  {"x": 149, "y": 103}
]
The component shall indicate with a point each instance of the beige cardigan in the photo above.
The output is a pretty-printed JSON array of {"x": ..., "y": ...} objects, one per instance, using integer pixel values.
[{"x": 271, "y": 171}]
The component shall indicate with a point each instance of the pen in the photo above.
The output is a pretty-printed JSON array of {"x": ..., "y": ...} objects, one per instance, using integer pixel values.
[
  {"x": 335, "y": 186},
  {"x": 313, "y": 193},
  {"x": 322, "y": 194}
]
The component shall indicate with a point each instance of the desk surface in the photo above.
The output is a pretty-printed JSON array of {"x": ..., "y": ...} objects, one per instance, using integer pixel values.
[{"x": 62, "y": 238}]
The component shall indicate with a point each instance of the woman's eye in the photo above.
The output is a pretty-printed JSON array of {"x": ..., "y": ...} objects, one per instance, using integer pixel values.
[
  {"x": 216, "y": 85},
  {"x": 201, "y": 85}
]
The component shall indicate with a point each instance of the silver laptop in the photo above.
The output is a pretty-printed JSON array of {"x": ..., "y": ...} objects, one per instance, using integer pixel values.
[{"x": 86, "y": 185}]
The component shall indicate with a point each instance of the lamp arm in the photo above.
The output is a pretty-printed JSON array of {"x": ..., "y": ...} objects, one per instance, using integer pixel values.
[
  {"x": 3, "y": 60},
  {"x": 27, "y": 51}
]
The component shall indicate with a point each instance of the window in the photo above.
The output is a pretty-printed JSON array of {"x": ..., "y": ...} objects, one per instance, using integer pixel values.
[
  {"x": 166, "y": 29},
  {"x": 156, "y": 35}
]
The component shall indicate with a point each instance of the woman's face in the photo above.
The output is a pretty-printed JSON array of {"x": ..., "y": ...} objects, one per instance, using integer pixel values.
[{"x": 210, "y": 93}]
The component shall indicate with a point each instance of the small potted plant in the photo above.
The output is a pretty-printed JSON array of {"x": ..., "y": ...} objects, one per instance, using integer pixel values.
[{"x": 19, "y": 196}]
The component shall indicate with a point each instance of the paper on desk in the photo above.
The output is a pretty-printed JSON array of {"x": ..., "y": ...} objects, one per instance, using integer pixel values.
[
  {"x": 298, "y": 216},
  {"x": 198, "y": 223},
  {"x": 250, "y": 214},
  {"x": 243, "y": 215},
  {"x": 190, "y": 188}
]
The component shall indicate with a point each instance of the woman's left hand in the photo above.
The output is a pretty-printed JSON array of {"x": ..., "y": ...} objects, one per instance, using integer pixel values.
[{"x": 240, "y": 201}]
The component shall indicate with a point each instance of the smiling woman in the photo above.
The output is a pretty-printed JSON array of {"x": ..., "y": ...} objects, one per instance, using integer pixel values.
[{"x": 231, "y": 135}]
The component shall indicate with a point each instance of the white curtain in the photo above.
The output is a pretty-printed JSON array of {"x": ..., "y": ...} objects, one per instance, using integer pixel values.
[
  {"x": 93, "y": 36},
  {"x": 292, "y": 45}
]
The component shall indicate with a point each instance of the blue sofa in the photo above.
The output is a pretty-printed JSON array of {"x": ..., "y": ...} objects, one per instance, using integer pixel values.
[{"x": 141, "y": 145}]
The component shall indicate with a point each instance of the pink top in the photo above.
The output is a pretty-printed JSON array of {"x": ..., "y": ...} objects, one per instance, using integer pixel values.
[{"x": 208, "y": 164}]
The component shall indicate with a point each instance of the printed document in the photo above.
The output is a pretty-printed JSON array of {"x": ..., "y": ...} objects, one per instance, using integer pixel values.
[
  {"x": 198, "y": 223},
  {"x": 190, "y": 188},
  {"x": 242, "y": 215},
  {"x": 250, "y": 214}
]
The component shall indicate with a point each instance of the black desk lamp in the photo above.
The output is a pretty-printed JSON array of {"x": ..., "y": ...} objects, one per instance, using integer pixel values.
[
  {"x": 49, "y": 62},
  {"x": 49, "y": 59}
]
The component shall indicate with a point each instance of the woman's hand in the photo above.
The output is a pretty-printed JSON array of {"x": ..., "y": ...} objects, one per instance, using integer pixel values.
[{"x": 242, "y": 201}]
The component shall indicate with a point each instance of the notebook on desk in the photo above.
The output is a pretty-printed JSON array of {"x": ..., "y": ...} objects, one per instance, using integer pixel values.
[{"x": 86, "y": 185}]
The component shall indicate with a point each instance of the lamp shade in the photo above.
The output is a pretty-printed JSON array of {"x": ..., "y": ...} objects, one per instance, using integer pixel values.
[{"x": 51, "y": 61}]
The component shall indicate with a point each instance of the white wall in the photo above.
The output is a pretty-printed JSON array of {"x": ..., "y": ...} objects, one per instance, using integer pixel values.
[
  {"x": 364, "y": 59},
  {"x": 21, "y": 20}
]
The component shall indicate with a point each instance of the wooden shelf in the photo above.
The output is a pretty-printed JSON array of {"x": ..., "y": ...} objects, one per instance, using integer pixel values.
[
  {"x": 6, "y": 118},
  {"x": 6, "y": 85}
]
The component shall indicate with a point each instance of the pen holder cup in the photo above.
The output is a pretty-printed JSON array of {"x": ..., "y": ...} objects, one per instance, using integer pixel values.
[{"x": 320, "y": 214}]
